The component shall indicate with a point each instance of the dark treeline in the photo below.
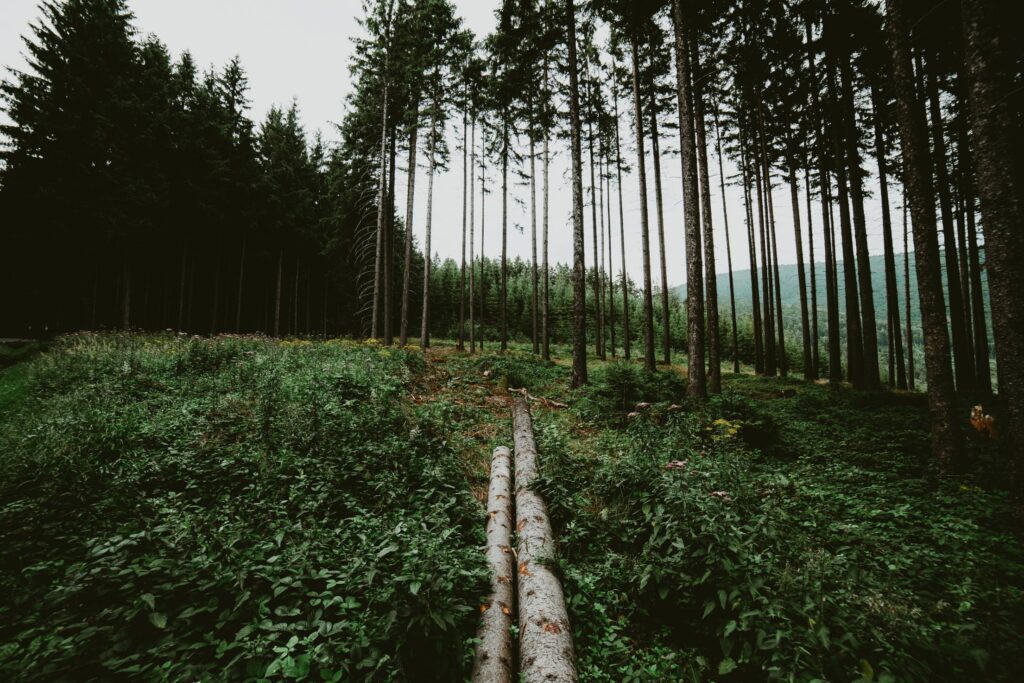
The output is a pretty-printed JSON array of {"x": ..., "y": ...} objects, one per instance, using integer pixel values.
[{"x": 137, "y": 193}]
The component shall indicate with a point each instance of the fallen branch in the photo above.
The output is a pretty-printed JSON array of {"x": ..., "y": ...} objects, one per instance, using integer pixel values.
[
  {"x": 493, "y": 663},
  {"x": 546, "y": 402},
  {"x": 545, "y": 639}
]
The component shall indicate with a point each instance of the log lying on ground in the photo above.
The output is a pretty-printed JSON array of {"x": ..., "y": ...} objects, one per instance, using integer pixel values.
[
  {"x": 545, "y": 639},
  {"x": 493, "y": 663}
]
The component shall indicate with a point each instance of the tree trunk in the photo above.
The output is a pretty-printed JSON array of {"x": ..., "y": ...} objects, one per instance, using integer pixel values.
[
  {"x": 545, "y": 636},
  {"x": 425, "y": 318},
  {"x": 773, "y": 244},
  {"x": 241, "y": 287},
  {"x": 610, "y": 296},
  {"x": 579, "y": 282},
  {"x": 472, "y": 236},
  {"x": 854, "y": 336},
  {"x": 998, "y": 155},
  {"x": 963, "y": 364},
  {"x": 181, "y": 291},
  {"x": 598, "y": 313},
  {"x": 382, "y": 191},
  {"x": 911, "y": 379},
  {"x": 462, "y": 266},
  {"x": 891, "y": 289},
  {"x": 534, "y": 303},
  {"x": 755, "y": 296},
  {"x": 389, "y": 251},
  {"x": 728, "y": 245},
  {"x": 277, "y": 295},
  {"x": 546, "y": 315},
  {"x": 403, "y": 329},
  {"x": 483, "y": 206},
  {"x": 622, "y": 223},
  {"x": 805, "y": 323},
  {"x": 504, "y": 235},
  {"x": 696, "y": 385},
  {"x": 767, "y": 316},
  {"x": 494, "y": 653},
  {"x": 947, "y": 439},
  {"x": 645, "y": 237},
  {"x": 815, "y": 357},
  {"x": 867, "y": 296},
  {"x": 666, "y": 346},
  {"x": 714, "y": 343}
]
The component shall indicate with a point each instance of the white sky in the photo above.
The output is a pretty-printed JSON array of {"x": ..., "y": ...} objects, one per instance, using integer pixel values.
[{"x": 301, "y": 49}]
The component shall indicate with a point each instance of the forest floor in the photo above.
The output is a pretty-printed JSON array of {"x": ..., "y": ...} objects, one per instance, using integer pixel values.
[{"x": 178, "y": 508}]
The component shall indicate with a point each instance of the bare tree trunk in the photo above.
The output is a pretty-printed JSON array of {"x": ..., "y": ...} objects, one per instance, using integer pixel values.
[
  {"x": 963, "y": 365},
  {"x": 805, "y": 324},
  {"x": 911, "y": 379},
  {"x": 891, "y": 288},
  {"x": 382, "y": 194},
  {"x": 622, "y": 224},
  {"x": 598, "y": 313},
  {"x": 472, "y": 236},
  {"x": 867, "y": 295},
  {"x": 462, "y": 266},
  {"x": 759, "y": 362},
  {"x": 504, "y": 235},
  {"x": 983, "y": 375},
  {"x": 277, "y": 296},
  {"x": 483, "y": 206},
  {"x": 241, "y": 288},
  {"x": 645, "y": 237},
  {"x": 545, "y": 636},
  {"x": 610, "y": 296},
  {"x": 776, "y": 280},
  {"x": 767, "y": 316},
  {"x": 999, "y": 150},
  {"x": 425, "y": 319},
  {"x": 728, "y": 245},
  {"x": 947, "y": 439},
  {"x": 389, "y": 251},
  {"x": 666, "y": 345},
  {"x": 494, "y": 653},
  {"x": 546, "y": 316},
  {"x": 403, "y": 330},
  {"x": 579, "y": 283},
  {"x": 295, "y": 299},
  {"x": 534, "y": 303},
  {"x": 696, "y": 386}
]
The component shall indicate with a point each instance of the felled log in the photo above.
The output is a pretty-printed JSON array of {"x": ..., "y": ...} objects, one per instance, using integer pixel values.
[
  {"x": 545, "y": 638},
  {"x": 493, "y": 662}
]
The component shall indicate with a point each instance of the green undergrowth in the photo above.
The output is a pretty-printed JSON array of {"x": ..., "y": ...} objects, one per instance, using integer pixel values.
[
  {"x": 781, "y": 531},
  {"x": 238, "y": 508}
]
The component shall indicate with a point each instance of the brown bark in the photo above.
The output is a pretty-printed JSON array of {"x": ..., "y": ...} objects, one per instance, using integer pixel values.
[
  {"x": 622, "y": 223},
  {"x": 410, "y": 194},
  {"x": 598, "y": 313},
  {"x": 752, "y": 252},
  {"x": 805, "y": 323},
  {"x": 579, "y": 284},
  {"x": 666, "y": 346},
  {"x": 432, "y": 153},
  {"x": 462, "y": 267},
  {"x": 947, "y": 439},
  {"x": 696, "y": 386},
  {"x": 645, "y": 236},
  {"x": 728, "y": 245}
]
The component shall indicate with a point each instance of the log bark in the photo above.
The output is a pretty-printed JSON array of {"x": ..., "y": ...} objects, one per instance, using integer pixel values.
[
  {"x": 545, "y": 638},
  {"x": 494, "y": 655}
]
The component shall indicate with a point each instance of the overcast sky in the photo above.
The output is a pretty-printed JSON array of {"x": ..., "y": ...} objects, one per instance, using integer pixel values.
[{"x": 301, "y": 49}]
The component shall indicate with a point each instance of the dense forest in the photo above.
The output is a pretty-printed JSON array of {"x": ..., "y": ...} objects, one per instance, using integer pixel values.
[{"x": 266, "y": 287}]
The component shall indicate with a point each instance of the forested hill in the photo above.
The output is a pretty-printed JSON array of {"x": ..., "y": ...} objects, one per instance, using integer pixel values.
[{"x": 791, "y": 288}]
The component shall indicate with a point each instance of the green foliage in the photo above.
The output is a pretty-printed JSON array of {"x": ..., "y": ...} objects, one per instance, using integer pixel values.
[
  {"x": 812, "y": 548},
  {"x": 617, "y": 387},
  {"x": 186, "y": 509}
]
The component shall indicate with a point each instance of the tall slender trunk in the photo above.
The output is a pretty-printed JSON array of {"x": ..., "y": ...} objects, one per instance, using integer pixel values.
[
  {"x": 891, "y": 289},
  {"x": 534, "y": 303},
  {"x": 382, "y": 189},
  {"x": 714, "y": 342},
  {"x": 483, "y": 225},
  {"x": 410, "y": 194},
  {"x": 697, "y": 384},
  {"x": 241, "y": 287},
  {"x": 546, "y": 316},
  {"x": 998, "y": 154},
  {"x": 728, "y": 245},
  {"x": 854, "y": 335},
  {"x": 462, "y": 266},
  {"x": 579, "y": 284},
  {"x": 295, "y": 299},
  {"x": 666, "y": 346},
  {"x": 755, "y": 296},
  {"x": 805, "y": 323},
  {"x": 645, "y": 237},
  {"x": 598, "y": 313},
  {"x": 911, "y": 379},
  {"x": 610, "y": 296},
  {"x": 504, "y": 233},
  {"x": 773, "y": 244},
  {"x": 389, "y": 251},
  {"x": 947, "y": 439},
  {"x": 622, "y": 223},
  {"x": 963, "y": 365},
  {"x": 432, "y": 153},
  {"x": 472, "y": 236},
  {"x": 767, "y": 316},
  {"x": 277, "y": 295},
  {"x": 815, "y": 356},
  {"x": 867, "y": 295}
]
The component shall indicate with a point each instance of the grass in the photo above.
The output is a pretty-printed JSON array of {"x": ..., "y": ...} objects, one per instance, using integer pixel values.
[{"x": 175, "y": 508}]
